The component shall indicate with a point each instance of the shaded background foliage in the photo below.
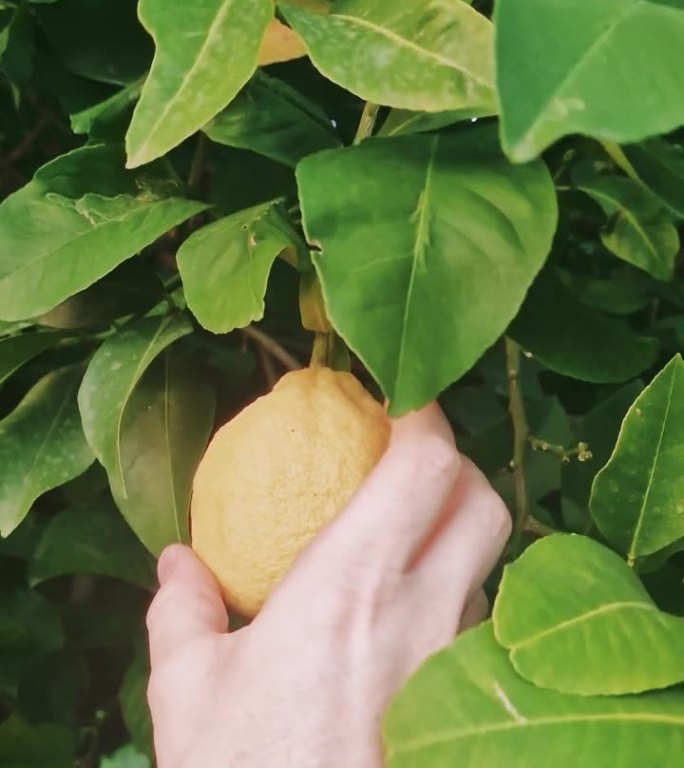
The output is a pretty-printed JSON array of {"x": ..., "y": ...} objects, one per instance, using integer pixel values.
[{"x": 510, "y": 241}]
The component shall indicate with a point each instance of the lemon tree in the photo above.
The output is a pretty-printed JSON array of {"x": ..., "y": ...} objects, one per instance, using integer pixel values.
[{"x": 230, "y": 230}]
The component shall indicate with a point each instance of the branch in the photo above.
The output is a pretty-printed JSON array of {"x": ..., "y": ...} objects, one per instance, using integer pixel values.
[
  {"x": 197, "y": 166},
  {"x": 28, "y": 142},
  {"x": 516, "y": 409},
  {"x": 367, "y": 122},
  {"x": 267, "y": 367},
  {"x": 272, "y": 347}
]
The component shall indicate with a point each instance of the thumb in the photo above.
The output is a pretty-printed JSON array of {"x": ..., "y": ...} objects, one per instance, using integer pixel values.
[{"x": 188, "y": 605}]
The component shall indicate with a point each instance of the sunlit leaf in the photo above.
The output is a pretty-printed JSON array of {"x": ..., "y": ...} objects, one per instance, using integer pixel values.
[
  {"x": 574, "y": 617},
  {"x": 205, "y": 52},
  {"x": 412, "y": 55},
  {"x": 79, "y": 218},
  {"x": 280, "y": 44},
  {"x": 443, "y": 271},
  {"x": 467, "y": 704},
  {"x": 225, "y": 266}
]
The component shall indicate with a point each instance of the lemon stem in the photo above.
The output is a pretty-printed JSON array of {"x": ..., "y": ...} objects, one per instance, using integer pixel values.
[{"x": 272, "y": 347}]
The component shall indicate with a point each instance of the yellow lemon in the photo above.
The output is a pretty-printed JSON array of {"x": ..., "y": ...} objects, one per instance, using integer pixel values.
[{"x": 274, "y": 475}]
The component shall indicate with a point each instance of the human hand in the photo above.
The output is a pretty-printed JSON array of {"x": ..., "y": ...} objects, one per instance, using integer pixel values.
[{"x": 386, "y": 584}]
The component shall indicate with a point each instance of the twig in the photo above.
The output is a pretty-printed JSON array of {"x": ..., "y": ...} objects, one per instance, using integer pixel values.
[
  {"x": 270, "y": 373},
  {"x": 28, "y": 142},
  {"x": 272, "y": 347},
  {"x": 581, "y": 450},
  {"x": 197, "y": 166},
  {"x": 516, "y": 409},
  {"x": 535, "y": 528},
  {"x": 614, "y": 151},
  {"x": 367, "y": 122}
]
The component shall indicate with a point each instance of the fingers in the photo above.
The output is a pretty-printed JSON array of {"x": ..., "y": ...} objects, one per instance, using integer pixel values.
[
  {"x": 458, "y": 560},
  {"x": 475, "y": 612},
  {"x": 188, "y": 605},
  {"x": 400, "y": 501}
]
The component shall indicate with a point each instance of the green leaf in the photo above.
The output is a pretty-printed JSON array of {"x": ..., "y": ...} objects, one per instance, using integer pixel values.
[
  {"x": 574, "y": 617},
  {"x": 35, "y": 746},
  {"x": 434, "y": 270},
  {"x": 109, "y": 382},
  {"x": 554, "y": 326},
  {"x": 411, "y": 55},
  {"x": 91, "y": 540},
  {"x": 93, "y": 118},
  {"x": 595, "y": 85},
  {"x": 42, "y": 445},
  {"x": 623, "y": 292},
  {"x": 80, "y": 217},
  {"x": 661, "y": 168},
  {"x": 271, "y": 118},
  {"x": 467, "y": 706},
  {"x": 126, "y": 757},
  {"x": 17, "y": 350},
  {"x": 204, "y": 54},
  {"x": 98, "y": 39},
  {"x": 17, "y": 45},
  {"x": 131, "y": 288},
  {"x": 53, "y": 687},
  {"x": 639, "y": 229},
  {"x": 474, "y": 407},
  {"x": 133, "y": 702},
  {"x": 241, "y": 179},
  {"x": 402, "y": 122},
  {"x": 636, "y": 499},
  {"x": 164, "y": 432},
  {"x": 29, "y": 627},
  {"x": 225, "y": 266},
  {"x": 599, "y": 430},
  {"x": 110, "y": 615}
]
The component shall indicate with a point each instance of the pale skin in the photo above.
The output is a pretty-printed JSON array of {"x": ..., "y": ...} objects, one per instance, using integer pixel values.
[{"x": 387, "y": 584}]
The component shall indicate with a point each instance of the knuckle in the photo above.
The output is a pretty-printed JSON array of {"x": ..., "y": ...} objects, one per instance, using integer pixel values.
[
  {"x": 434, "y": 458},
  {"x": 497, "y": 516},
  {"x": 159, "y": 607}
]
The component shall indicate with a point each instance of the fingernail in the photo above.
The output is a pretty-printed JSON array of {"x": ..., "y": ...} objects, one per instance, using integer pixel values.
[{"x": 166, "y": 563}]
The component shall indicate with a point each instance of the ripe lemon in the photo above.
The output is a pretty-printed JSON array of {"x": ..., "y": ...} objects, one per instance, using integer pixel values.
[{"x": 274, "y": 475}]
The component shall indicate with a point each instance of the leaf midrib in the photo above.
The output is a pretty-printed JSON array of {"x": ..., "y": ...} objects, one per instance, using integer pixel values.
[
  {"x": 579, "y": 63},
  {"x": 48, "y": 434},
  {"x": 69, "y": 244},
  {"x": 626, "y": 212},
  {"x": 143, "y": 363},
  {"x": 167, "y": 442},
  {"x": 508, "y": 725},
  {"x": 417, "y": 255},
  {"x": 631, "y": 555},
  {"x": 600, "y": 610},
  {"x": 212, "y": 32},
  {"x": 403, "y": 42}
]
